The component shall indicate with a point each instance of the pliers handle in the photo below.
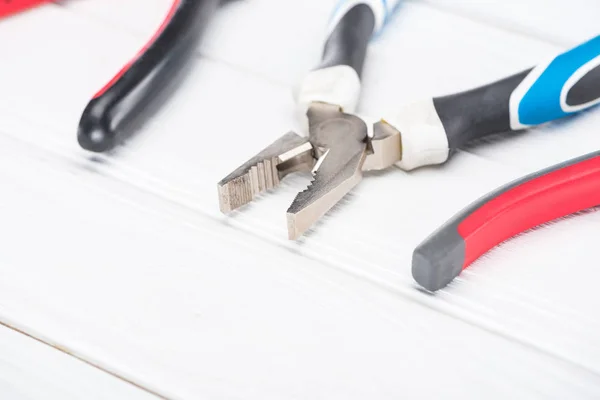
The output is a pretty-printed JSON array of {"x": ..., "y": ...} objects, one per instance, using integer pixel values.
[
  {"x": 531, "y": 201},
  {"x": 337, "y": 78},
  {"x": 124, "y": 98},
  {"x": 559, "y": 87},
  {"x": 433, "y": 129}
]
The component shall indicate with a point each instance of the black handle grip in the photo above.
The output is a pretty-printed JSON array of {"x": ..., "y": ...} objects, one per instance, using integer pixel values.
[
  {"x": 478, "y": 112},
  {"x": 348, "y": 41},
  {"x": 124, "y": 98},
  {"x": 567, "y": 84}
]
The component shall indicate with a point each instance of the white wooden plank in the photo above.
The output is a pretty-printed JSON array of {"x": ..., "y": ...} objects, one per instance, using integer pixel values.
[
  {"x": 191, "y": 307},
  {"x": 32, "y": 370},
  {"x": 234, "y": 34},
  {"x": 269, "y": 37},
  {"x": 562, "y": 22}
]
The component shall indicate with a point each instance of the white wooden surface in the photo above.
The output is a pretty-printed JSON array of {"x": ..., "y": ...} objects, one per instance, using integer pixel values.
[
  {"x": 32, "y": 370},
  {"x": 125, "y": 261}
]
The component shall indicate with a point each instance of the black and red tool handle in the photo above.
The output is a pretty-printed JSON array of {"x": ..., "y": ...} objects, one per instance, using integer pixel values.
[
  {"x": 124, "y": 98},
  {"x": 534, "y": 200},
  {"x": 432, "y": 129}
]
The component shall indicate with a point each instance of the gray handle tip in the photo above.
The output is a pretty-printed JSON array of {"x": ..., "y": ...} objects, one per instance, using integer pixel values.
[{"x": 439, "y": 259}]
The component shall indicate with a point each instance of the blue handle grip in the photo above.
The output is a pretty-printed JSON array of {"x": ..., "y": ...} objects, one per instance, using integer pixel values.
[
  {"x": 562, "y": 86},
  {"x": 566, "y": 84}
]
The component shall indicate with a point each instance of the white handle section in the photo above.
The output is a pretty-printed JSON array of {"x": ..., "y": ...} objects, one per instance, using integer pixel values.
[
  {"x": 381, "y": 9},
  {"x": 423, "y": 136},
  {"x": 339, "y": 85}
]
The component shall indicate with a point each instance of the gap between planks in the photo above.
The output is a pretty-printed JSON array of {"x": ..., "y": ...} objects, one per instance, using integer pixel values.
[{"x": 81, "y": 358}]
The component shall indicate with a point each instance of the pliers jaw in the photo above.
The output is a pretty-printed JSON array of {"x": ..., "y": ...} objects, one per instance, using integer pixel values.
[
  {"x": 335, "y": 151},
  {"x": 340, "y": 142},
  {"x": 290, "y": 153}
]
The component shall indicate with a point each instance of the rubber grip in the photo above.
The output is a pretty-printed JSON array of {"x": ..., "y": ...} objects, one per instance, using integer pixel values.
[
  {"x": 347, "y": 43},
  {"x": 352, "y": 25},
  {"x": 568, "y": 83},
  {"x": 10, "y": 7},
  {"x": 124, "y": 98},
  {"x": 539, "y": 198}
]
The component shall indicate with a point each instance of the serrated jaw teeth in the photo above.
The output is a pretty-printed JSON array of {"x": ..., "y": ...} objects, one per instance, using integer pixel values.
[
  {"x": 289, "y": 153},
  {"x": 244, "y": 188}
]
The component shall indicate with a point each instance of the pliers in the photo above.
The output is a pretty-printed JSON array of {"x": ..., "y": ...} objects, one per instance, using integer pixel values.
[
  {"x": 338, "y": 147},
  {"x": 528, "y": 202},
  {"x": 123, "y": 103}
]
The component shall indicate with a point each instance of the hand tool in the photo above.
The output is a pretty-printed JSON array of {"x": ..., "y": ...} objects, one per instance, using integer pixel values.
[
  {"x": 426, "y": 132},
  {"x": 526, "y": 203},
  {"x": 337, "y": 140},
  {"x": 10, "y": 7},
  {"x": 121, "y": 102}
]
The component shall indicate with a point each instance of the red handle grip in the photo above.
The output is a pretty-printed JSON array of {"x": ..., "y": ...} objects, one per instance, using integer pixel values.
[
  {"x": 9, "y": 7},
  {"x": 524, "y": 204},
  {"x": 119, "y": 108}
]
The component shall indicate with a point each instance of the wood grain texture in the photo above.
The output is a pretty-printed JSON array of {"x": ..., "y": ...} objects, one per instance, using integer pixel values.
[
  {"x": 125, "y": 260},
  {"x": 32, "y": 370}
]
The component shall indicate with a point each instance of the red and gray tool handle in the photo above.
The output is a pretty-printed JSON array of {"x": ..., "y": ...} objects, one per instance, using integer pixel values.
[
  {"x": 536, "y": 199},
  {"x": 123, "y": 100},
  {"x": 560, "y": 87},
  {"x": 432, "y": 129}
]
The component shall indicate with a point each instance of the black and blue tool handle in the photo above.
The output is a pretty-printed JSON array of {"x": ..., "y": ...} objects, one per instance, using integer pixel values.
[
  {"x": 431, "y": 130},
  {"x": 526, "y": 203},
  {"x": 337, "y": 77},
  {"x": 351, "y": 27},
  {"x": 126, "y": 95}
]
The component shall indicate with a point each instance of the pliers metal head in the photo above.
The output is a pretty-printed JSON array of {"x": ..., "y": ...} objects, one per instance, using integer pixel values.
[{"x": 337, "y": 150}]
